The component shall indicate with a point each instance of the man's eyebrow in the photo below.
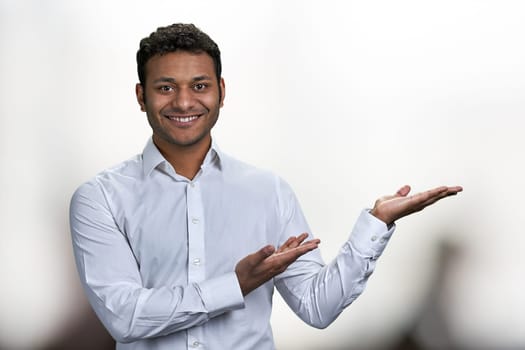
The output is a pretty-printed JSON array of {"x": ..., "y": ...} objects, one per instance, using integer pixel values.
[
  {"x": 173, "y": 81},
  {"x": 165, "y": 80},
  {"x": 202, "y": 77}
]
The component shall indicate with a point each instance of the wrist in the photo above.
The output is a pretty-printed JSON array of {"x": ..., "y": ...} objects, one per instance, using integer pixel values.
[{"x": 382, "y": 217}]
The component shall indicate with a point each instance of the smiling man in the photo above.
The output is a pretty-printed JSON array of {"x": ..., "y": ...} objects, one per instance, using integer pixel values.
[
  {"x": 181, "y": 247},
  {"x": 181, "y": 95}
]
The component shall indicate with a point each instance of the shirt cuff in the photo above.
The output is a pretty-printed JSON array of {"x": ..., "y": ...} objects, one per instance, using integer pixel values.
[
  {"x": 221, "y": 294},
  {"x": 370, "y": 235}
]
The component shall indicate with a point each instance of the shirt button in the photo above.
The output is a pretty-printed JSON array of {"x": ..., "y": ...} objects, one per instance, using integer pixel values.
[
  {"x": 195, "y": 221},
  {"x": 196, "y": 261},
  {"x": 373, "y": 238},
  {"x": 192, "y": 184},
  {"x": 195, "y": 344},
  {"x": 383, "y": 240}
]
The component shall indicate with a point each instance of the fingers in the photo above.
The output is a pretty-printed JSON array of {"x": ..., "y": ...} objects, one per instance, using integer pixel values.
[
  {"x": 436, "y": 194},
  {"x": 292, "y": 242},
  {"x": 422, "y": 200},
  {"x": 295, "y": 252},
  {"x": 300, "y": 239},
  {"x": 429, "y": 195},
  {"x": 440, "y": 193},
  {"x": 454, "y": 190},
  {"x": 286, "y": 245}
]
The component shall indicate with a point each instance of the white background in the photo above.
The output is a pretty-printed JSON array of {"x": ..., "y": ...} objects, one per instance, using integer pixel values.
[{"x": 347, "y": 100}]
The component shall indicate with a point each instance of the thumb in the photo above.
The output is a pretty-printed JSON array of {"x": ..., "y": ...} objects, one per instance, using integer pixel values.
[
  {"x": 262, "y": 254},
  {"x": 403, "y": 191}
]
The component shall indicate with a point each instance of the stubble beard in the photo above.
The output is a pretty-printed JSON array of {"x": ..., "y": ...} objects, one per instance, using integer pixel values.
[{"x": 160, "y": 132}]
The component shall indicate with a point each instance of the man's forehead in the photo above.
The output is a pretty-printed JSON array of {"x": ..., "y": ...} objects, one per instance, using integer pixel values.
[
  {"x": 173, "y": 80},
  {"x": 182, "y": 55},
  {"x": 185, "y": 62}
]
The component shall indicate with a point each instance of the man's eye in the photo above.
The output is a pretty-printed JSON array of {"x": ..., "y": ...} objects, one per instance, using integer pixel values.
[
  {"x": 199, "y": 87},
  {"x": 165, "y": 88}
]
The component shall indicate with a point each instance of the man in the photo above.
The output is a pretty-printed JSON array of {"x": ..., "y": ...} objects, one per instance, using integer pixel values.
[{"x": 182, "y": 246}]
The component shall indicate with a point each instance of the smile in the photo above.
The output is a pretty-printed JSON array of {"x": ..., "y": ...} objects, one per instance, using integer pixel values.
[{"x": 183, "y": 119}]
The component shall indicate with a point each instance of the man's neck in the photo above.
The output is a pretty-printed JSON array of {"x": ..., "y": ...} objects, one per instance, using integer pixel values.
[{"x": 186, "y": 160}]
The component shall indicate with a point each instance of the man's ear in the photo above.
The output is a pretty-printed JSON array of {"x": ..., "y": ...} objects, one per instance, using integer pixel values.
[
  {"x": 139, "y": 92},
  {"x": 223, "y": 91}
]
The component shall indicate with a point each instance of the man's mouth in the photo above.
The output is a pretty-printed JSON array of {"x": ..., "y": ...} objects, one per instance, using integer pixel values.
[{"x": 183, "y": 119}]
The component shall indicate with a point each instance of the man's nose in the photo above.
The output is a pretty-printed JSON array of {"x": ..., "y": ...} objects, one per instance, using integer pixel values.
[{"x": 184, "y": 99}]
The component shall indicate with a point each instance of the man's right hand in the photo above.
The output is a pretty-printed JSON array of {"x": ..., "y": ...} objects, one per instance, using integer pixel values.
[{"x": 261, "y": 266}]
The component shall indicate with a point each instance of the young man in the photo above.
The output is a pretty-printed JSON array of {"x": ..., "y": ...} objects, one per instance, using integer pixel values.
[{"x": 182, "y": 246}]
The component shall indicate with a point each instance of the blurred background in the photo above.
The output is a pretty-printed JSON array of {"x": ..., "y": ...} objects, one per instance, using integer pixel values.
[{"x": 346, "y": 100}]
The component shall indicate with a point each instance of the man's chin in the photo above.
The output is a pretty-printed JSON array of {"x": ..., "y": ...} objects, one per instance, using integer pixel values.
[{"x": 182, "y": 142}]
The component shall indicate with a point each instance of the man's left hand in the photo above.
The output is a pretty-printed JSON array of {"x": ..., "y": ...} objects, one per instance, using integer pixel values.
[{"x": 391, "y": 208}]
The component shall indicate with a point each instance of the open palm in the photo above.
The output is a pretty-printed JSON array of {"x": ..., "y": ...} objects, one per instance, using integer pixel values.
[{"x": 393, "y": 207}]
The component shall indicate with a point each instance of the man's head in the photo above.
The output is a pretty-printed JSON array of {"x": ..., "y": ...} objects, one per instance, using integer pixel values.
[
  {"x": 176, "y": 37},
  {"x": 181, "y": 88}
]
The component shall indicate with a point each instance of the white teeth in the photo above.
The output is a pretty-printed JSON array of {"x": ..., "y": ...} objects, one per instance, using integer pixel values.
[{"x": 184, "y": 119}]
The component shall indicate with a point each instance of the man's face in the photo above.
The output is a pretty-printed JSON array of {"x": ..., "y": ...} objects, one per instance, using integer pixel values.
[{"x": 181, "y": 98}]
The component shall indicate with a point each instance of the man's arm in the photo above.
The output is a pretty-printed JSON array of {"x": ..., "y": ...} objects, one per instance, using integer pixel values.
[
  {"x": 319, "y": 293},
  {"x": 110, "y": 275}
]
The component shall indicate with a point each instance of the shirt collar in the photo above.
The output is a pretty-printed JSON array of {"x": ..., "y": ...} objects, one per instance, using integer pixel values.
[{"x": 152, "y": 158}]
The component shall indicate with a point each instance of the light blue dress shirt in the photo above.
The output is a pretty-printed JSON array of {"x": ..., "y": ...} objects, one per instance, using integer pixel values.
[{"x": 156, "y": 254}]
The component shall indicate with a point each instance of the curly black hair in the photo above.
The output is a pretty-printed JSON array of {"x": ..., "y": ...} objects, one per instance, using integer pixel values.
[{"x": 178, "y": 36}]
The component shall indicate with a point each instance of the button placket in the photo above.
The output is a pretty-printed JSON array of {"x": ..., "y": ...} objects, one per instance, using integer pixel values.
[
  {"x": 195, "y": 212},
  {"x": 195, "y": 343}
]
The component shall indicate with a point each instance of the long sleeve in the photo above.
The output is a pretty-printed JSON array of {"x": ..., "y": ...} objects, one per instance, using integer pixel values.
[
  {"x": 110, "y": 274},
  {"x": 156, "y": 254},
  {"x": 318, "y": 293}
]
